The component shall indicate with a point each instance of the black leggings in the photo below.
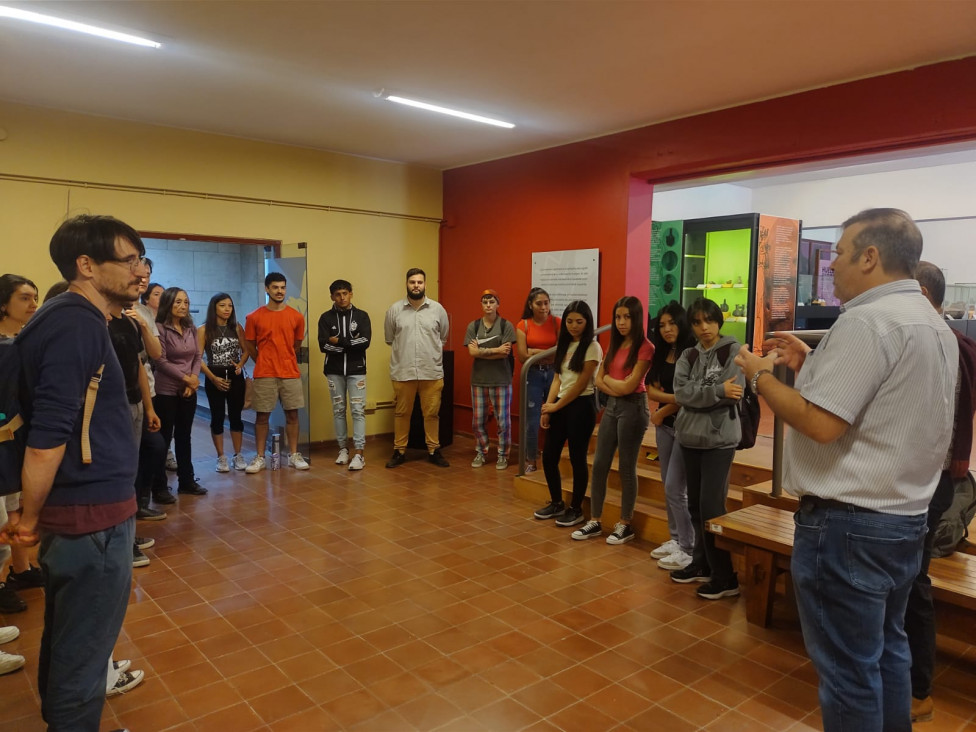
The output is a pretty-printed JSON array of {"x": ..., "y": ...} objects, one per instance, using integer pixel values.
[
  {"x": 573, "y": 423},
  {"x": 232, "y": 400},
  {"x": 176, "y": 415}
]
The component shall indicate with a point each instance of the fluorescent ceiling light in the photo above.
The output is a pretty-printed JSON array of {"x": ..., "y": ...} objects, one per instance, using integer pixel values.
[
  {"x": 18, "y": 14},
  {"x": 447, "y": 110}
]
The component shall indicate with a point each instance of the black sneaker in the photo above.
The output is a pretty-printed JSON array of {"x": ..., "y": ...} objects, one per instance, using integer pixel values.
[
  {"x": 32, "y": 577},
  {"x": 621, "y": 534},
  {"x": 589, "y": 529},
  {"x": 570, "y": 517},
  {"x": 145, "y": 513},
  {"x": 438, "y": 459},
  {"x": 691, "y": 573},
  {"x": 397, "y": 460},
  {"x": 194, "y": 489},
  {"x": 163, "y": 498},
  {"x": 138, "y": 558},
  {"x": 716, "y": 590},
  {"x": 550, "y": 510},
  {"x": 144, "y": 542},
  {"x": 10, "y": 601}
]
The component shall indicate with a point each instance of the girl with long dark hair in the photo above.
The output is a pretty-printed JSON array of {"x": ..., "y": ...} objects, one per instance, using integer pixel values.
[
  {"x": 177, "y": 380},
  {"x": 671, "y": 337},
  {"x": 536, "y": 332},
  {"x": 621, "y": 378},
  {"x": 221, "y": 340},
  {"x": 569, "y": 412},
  {"x": 707, "y": 386}
]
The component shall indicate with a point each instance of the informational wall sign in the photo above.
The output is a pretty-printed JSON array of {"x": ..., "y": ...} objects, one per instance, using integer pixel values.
[
  {"x": 572, "y": 274},
  {"x": 775, "y": 276}
]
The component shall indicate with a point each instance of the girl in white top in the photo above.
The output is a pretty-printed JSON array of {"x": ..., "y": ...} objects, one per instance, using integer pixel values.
[{"x": 570, "y": 412}]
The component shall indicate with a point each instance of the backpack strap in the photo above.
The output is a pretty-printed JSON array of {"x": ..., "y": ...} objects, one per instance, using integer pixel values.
[
  {"x": 9, "y": 431},
  {"x": 723, "y": 354},
  {"x": 90, "y": 395},
  {"x": 692, "y": 355}
]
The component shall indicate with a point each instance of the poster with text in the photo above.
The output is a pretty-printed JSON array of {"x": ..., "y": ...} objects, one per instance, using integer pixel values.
[
  {"x": 775, "y": 303},
  {"x": 571, "y": 274}
]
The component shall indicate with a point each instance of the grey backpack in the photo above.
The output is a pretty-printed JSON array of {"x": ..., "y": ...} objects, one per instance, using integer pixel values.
[{"x": 954, "y": 524}]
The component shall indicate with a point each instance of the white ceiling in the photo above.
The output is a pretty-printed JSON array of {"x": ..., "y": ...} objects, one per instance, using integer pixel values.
[{"x": 304, "y": 72}]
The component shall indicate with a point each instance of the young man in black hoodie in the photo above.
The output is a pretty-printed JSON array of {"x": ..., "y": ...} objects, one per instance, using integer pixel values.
[{"x": 344, "y": 336}]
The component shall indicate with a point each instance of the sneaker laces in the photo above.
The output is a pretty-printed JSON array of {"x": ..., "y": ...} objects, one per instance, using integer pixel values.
[
  {"x": 619, "y": 529},
  {"x": 591, "y": 524}
]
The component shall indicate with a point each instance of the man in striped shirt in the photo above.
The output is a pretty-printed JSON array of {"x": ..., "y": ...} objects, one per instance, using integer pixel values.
[{"x": 870, "y": 418}]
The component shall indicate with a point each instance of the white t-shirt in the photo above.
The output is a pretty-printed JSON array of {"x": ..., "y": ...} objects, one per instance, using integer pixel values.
[{"x": 567, "y": 378}]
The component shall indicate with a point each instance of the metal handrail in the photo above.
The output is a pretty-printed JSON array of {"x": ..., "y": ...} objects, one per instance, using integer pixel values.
[
  {"x": 811, "y": 338},
  {"x": 524, "y": 397}
]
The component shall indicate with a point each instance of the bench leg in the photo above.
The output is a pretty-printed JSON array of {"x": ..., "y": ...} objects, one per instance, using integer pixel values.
[{"x": 760, "y": 583}]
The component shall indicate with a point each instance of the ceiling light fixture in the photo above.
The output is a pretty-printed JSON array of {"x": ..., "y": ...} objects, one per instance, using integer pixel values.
[
  {"x": 17, "y": 14},
  {"x": 443, "y": 110}
]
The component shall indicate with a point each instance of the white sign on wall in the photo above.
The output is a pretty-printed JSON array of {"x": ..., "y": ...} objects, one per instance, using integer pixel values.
[{"x": 572, "y": 274}]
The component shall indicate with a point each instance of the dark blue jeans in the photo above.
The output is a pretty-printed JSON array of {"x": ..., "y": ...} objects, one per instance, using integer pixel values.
[
  {"x": 537, "y": 391},
  {"x": 852, "y": 571},
  {"x": 86, "y": 591}
]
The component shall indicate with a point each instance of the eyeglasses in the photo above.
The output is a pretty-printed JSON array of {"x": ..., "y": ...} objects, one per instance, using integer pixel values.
[{"x": 133, "y": 262}]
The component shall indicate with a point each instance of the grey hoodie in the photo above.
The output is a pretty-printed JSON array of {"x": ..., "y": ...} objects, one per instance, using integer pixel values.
[{"x": 706, "y": 419}]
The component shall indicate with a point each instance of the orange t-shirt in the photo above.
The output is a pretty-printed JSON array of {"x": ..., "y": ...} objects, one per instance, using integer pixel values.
[
  {"x": 540, "y": 336},
  {"x": 275, "y": 332}
]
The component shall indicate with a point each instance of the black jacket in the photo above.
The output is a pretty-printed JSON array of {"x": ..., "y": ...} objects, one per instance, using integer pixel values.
[{"x": 352, "y": 329}]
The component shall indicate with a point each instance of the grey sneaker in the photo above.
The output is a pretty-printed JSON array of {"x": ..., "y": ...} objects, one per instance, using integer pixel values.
[
  {"x": 222, "y": 466},
  {"x": 10, "y": 662},
  {"x": 256, "y": 465},
  {"x": 570, "y": 517},
  {"x": 502, "y": 463},
  {"x": 239, "y": 462},
  {"x": 343, "y": 458},
  {"x": 479, "y": 460},
  {"x": 589, "y": 529},
  {"x": 138, "y": 558},
  {"x": 128, "y": 680}
]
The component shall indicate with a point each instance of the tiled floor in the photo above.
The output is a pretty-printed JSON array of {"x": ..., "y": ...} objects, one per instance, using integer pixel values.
[{"x": 422, "y": 599}]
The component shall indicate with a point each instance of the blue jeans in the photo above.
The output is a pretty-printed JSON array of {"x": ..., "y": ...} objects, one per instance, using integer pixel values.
[
  {"x": 537, "y": 388},
  {"x": 675, "y": 488},
  {"x": 852, "y": 572},
  {"x": 86, "y": 592},
  {"x": 355, "y": 386},
  {"x": 624, "y": 421}
]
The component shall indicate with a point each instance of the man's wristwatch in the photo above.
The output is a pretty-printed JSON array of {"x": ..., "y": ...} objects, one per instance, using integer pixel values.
[{"x": 755, "y": 379}]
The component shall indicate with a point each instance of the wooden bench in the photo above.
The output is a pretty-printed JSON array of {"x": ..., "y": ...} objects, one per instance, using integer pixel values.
[{"x": 764, "y": 536}]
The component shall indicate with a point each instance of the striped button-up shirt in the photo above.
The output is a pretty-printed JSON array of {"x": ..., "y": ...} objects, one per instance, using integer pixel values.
[
  {"x": 888, "y": 368},
  {"x": 417, "y": 339}
]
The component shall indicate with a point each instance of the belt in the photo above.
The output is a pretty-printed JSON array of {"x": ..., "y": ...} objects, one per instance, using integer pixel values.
[
  {"x": 541, "y": 367},
  {"x": 810, "y": 502}
]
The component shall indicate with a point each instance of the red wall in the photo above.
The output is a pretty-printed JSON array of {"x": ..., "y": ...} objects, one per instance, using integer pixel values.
[{"x": 579, "y": 196}]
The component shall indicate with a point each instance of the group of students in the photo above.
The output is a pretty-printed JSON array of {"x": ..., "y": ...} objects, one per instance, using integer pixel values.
[{"x": 687, "y": 369}]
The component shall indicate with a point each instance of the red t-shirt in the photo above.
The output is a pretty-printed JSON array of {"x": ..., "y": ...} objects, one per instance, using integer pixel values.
[
  {"x": 540, "y": 336},
  {"x": 616, "y": 368},
  {"x": 275, "y": 332}
]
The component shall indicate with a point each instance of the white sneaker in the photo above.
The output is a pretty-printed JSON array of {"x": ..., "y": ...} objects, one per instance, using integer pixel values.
[
  {"x": 343, "y": 458},
  {"x": 479, "y": 460},
  {"x": 357, "y": 462},
  {"x": 255, "y": 466},
  {"x": 122, "y": 665},
  {"x": 222, "y": 466},
  {"x": 502, "y": 464},
  {"x": 9, "y": 633},
  {"x": 10, "y": 662},
  {"x": 666, "y": 549},
  {"x": 127, "y": 680},
  {"x": 239, "y": 462},
  {"x": 678, "y": 560},
  {"x": 297, "y": 461},
  {"x": 171, "y": 464}
]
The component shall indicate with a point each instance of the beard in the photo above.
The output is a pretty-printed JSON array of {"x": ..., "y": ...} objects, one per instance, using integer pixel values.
[{"x": 416, "y": 295}]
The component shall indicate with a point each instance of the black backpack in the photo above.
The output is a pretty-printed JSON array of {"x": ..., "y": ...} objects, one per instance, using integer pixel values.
[
  {"x": 746, "y": 410},
  {"x": 15, "y": 403}
]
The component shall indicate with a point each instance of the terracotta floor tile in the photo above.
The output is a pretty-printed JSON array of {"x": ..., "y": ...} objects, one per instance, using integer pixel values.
[{"x": 266, "y": 607}]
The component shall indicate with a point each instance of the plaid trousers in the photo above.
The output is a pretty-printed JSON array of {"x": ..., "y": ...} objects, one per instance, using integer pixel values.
[{"x": 500, "y": 398}]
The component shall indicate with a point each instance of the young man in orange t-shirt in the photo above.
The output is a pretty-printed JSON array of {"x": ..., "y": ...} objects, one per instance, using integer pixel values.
[{"x": 273, "y": 334}]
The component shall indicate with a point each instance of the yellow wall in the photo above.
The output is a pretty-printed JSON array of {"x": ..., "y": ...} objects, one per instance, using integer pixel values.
[{"x": 371, "y": 251}]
